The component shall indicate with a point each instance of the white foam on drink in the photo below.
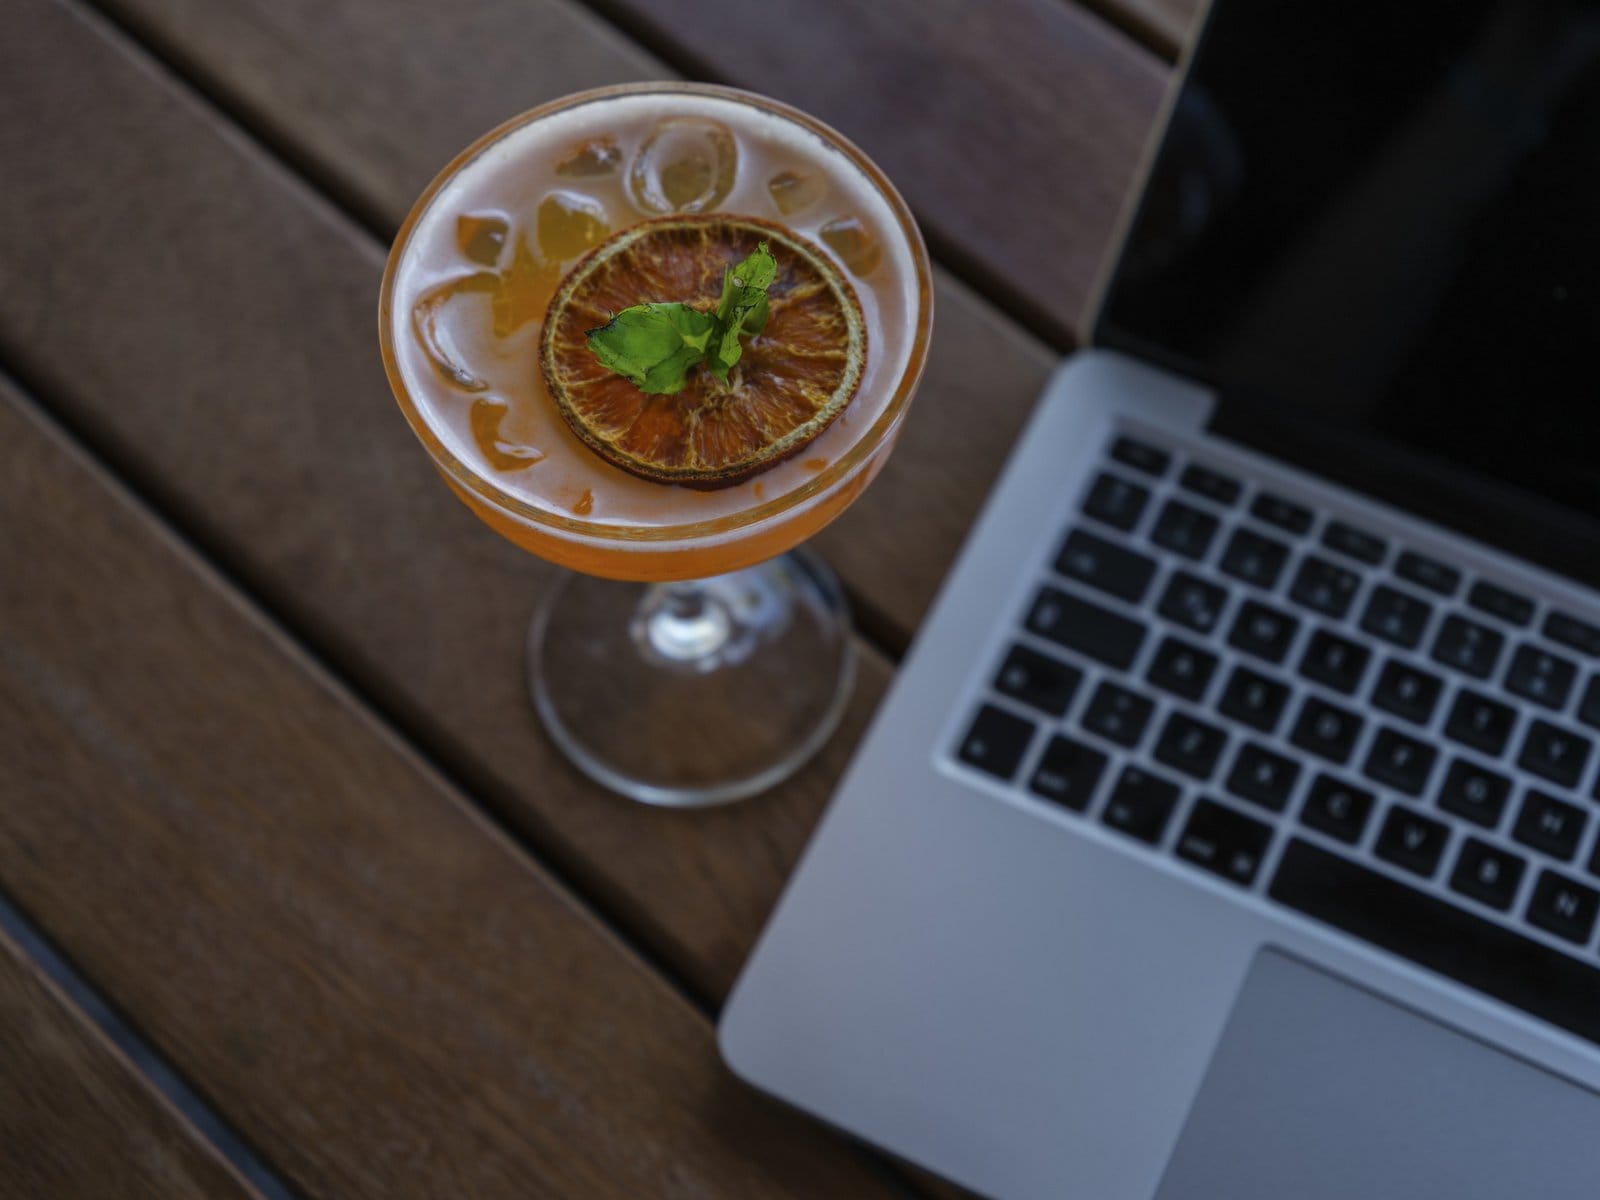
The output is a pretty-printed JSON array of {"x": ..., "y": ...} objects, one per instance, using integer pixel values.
[{"x": 511, "y": 177}]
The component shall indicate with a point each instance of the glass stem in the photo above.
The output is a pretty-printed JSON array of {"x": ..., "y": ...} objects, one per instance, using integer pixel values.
[{"x": 683, "y": 622}]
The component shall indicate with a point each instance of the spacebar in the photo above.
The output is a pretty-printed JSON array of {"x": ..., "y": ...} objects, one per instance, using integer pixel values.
[{"x": 1522, "y": 972}]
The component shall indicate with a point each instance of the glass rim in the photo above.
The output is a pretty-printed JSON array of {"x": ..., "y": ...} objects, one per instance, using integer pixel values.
[{"x": 834, "y": 474}]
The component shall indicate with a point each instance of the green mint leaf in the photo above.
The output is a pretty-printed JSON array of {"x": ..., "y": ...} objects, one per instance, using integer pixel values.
[
  {"x": 654, "y": 345},
  {"x": 742, "y": 309}
]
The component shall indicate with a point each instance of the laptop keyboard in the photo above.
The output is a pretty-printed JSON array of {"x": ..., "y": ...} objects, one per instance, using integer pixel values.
[{"x": 1298, "y": 706}]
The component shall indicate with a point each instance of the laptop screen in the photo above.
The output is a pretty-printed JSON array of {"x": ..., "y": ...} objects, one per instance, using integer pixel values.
[{"x": 1384, "y": 218}]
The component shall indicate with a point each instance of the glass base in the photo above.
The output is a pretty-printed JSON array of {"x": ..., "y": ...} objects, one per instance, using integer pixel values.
[{"x": 696, "y": 693}]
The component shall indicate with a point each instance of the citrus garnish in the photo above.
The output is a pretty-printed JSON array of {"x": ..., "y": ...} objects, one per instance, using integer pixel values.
[{"x": 784, "y": 387}]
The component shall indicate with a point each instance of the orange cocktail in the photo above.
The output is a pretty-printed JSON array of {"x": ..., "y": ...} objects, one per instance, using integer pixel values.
[
  {"x": 475, "y": 266},
  {"x": 532, "y": 263}
]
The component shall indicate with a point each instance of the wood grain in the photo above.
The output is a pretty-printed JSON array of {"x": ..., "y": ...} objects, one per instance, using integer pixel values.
[
  {"x": 76, "y": 1120},
  {"x": 1013, "y": 127},
  {"x": 1165, "y": 26},
  {"x": 209, "y": 323},
  {"x": 432, "y": 77},
  {"x": 376, "y": 988}
]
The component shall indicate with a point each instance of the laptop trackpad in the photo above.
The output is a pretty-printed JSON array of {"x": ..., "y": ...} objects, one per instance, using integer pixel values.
[{"x": 1321, "y": 1090}]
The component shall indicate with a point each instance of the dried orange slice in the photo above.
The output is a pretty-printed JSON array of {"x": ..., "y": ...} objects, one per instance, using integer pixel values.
[{"x": 789, "y": 384}]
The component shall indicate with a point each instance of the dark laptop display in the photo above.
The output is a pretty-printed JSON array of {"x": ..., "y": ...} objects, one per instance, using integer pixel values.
[{"x": 1412, "y": 263}]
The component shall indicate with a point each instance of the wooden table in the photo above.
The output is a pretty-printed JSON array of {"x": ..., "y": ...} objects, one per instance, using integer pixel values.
[{"x": 269, "y": 780}]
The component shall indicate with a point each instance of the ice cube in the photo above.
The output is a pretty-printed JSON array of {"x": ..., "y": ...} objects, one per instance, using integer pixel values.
[
  {"x": 570, "y": 224},
  {"x": 503, "y": 455},
  {"x": 523, "y": 290},
  {"x": 481, "y": 237},
  {"x": 791, "y": 191},
  {"x": 591, "y": 159},
  {"x": 687, "y": 164},
  {"x": 433, "y": 333},
  {"x": 857, "y": 249}
]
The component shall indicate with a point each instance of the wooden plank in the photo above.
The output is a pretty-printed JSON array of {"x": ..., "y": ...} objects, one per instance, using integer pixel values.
[
  {"x": 1165, "y": 26},
  {"x": 1014, "y": 127},
  {"x": 372, "y": 985},
  {"x": 77, "y": 1122},
  {"x": 210, "y": 324},
  {"x": 373, "y": 111}
]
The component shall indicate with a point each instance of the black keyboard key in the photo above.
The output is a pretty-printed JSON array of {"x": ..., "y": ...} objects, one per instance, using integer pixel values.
[
  {"x": 1190, "y": 600},
  {"x": 1406, "y": 691},
  {"x": 1101, "y": 564},
  {"x": 996, "y": 741},
  {"x": 1191, "y": 746},
  {"x": 1117, "y": 714},
  {"x": 1285, "y": 514},
  {"x": 1038, "y": 680},
  {"x": 1396, "y": 616},
  {"x": 1224, "y": 842},
  {"x": 1326, "y": 730},
  {"x": 1140, "y": 805},
  {"x": 1115, "y": 501},
  {"x": 1184, "y": 530},
  {"x": 1497, "y": 602},
  {"x": 1487, "y": 873},
  {"x": 1254, "y": 699},
  {"x": 1589, "y": 706},
  {"x": 1410, "y": 840},
  {"x": 1324, "y": 586},
  {"x": 1087, "y": 628},
  {"x": 1474, "y": 792},
  {"x": 1337, "y": 809},
  {"x": 1067, "y": 773},
  {"x": 1563, "y": 907},
  {"x": 1213, "y": 485},
  {"x": 1357, "y": 543},
  {"x": 1428, "y": 572},
  {"x": 1262, "y": 631},
  {"x": 1480, "y": 722},
  {"x": 1546, "y": 983},
  {"x": 1569, "y": 631},
  {"x": 1468, "y": 646},
  {"x": 1553, "y": 753},
  {"x": 1141, "y": 456},
  {"x": 1182, "y": 669},
  {"x": 1549, "y": 824},
  {"x": 1334, "y": 661},
  {"x": 1401, "y": 762},
  {"x": 1254, "y": 559},
  {"x": 1262, "y": 777},
  {"x": 1540, "y": 676}
]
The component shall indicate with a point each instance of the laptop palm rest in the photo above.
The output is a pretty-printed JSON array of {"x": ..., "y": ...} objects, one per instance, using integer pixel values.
[{"x": 1321, "y": 1090}]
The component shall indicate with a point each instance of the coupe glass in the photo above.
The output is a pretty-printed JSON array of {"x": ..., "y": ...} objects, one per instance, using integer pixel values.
[{"x": 691, "y": 655}]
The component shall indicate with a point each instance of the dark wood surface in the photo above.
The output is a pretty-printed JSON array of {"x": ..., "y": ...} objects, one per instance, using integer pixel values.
[
  {"x": 376, "y": 986},
  {"x": 77, "y": 1122},
  {"x": 280, "y": 793},
  {"x": 1165, "y": 26}
]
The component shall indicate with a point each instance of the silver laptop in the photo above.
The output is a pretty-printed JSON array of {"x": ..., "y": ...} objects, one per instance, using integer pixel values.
[{"x": 1231, "y": 829}]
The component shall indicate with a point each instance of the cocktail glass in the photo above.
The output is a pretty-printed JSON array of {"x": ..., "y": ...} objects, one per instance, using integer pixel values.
[{"x": 692, "y": 655}]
